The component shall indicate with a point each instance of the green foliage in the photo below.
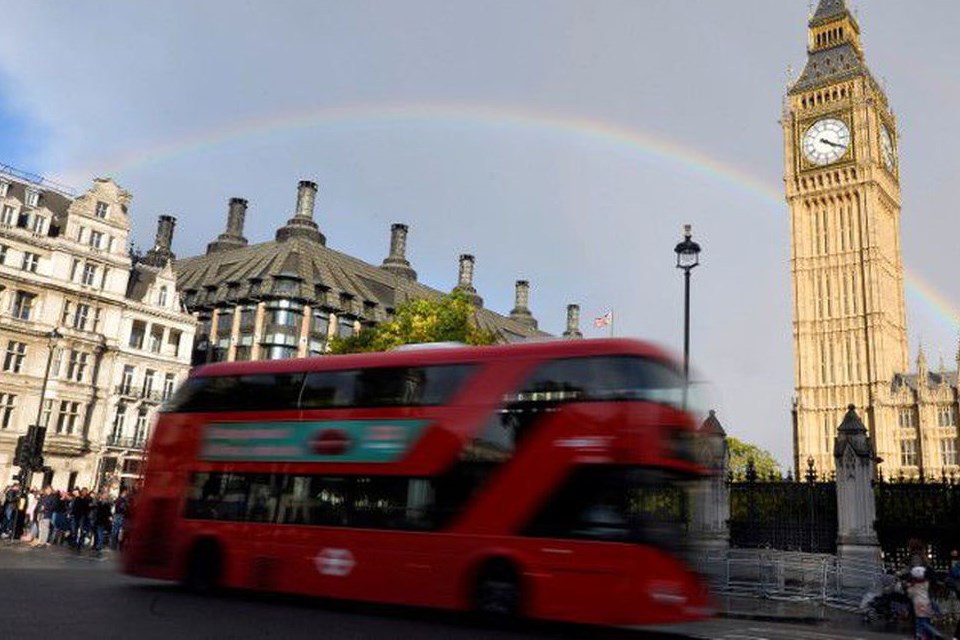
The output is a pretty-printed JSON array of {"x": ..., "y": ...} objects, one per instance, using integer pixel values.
[
  {"x": 763, "y": 461},
  {"x": 447, "y": 319}
]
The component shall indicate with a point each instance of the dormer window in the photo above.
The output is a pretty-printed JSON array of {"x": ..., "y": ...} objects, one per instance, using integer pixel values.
[
  {"x": 32, "y": 198},
  {"x": 162, "y": 297},
  {"x": 39, "y": 225},
  {"x": 102, "y": 209},
  {"x": 4, "y": 187}
]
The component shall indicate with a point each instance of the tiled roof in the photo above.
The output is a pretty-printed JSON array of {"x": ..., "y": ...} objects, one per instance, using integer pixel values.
[
  {"x": 299, "y": 268},
  {"x": 828, "y": 10},
  {"x": 933, "y": 379},
  {"x": 828, "y": 66}
]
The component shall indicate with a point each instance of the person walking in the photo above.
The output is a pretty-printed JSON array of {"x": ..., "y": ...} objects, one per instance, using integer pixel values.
[
  {"x": 11, "y": 497},
  {"x": 953, "y": 582},
  {"x": 80, "y": 512},
  {"x": 101, "y": 515},
  {"x": 46, "y": 506},
  {"x": 120, "y": 508}
]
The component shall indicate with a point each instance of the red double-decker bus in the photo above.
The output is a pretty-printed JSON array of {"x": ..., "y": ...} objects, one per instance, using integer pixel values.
[{"x": 543, "y": 480}]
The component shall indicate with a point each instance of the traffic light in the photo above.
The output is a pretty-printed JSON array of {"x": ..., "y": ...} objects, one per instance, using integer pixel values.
[{"x": 20, "y": 453}]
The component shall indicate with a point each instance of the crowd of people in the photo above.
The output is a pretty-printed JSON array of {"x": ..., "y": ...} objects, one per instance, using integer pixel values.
[{"x": 78, "y": 518}]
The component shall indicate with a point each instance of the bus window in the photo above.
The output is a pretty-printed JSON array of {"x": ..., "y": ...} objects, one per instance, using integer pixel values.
[
  {"x": 252, "y": 392},
  {"x": 328, "y": 389},
  {"x": 409, "y": 386},
  {"x": 602, "y": 378}
]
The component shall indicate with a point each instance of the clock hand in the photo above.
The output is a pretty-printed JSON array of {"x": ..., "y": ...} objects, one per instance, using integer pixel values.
[{"x": 832, "y": 144}]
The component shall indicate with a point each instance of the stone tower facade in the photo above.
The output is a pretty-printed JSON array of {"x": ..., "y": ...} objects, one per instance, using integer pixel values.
[{"x": 842, "y": 186}]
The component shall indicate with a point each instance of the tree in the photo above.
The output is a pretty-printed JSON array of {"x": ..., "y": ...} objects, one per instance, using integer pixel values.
[
  {"x": 446, "y": 319},
  {"x": 742, "y": 452}
]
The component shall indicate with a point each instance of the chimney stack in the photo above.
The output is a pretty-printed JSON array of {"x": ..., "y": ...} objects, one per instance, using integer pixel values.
[
  {"x": 161, "y": 252},
  {"x": 573, "y": 322},
  {"x": 232, "y": 238},
  {"x": 302, "y": 225},
  {"x": 521, "y": 311},
  {"x": 465, "y": 280},
  {"x": 397, "y": 263}
]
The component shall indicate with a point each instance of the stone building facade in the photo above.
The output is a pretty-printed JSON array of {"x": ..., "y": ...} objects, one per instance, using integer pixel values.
[
  {"x": 106, "y": 333},
  {"x": 290, "y": 296},
  {"x": 842, "y": 179}
]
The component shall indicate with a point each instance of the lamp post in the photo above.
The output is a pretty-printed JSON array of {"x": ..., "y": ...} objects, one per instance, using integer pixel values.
[
  {"x": 40, "y": 430},
  {"x": 688, "y": 257}
]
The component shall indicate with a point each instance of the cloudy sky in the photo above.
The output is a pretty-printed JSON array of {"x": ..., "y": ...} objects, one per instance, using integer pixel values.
[{"x": 560, "y": 141}]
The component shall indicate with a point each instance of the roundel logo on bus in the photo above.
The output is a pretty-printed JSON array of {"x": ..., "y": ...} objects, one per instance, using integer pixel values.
[{"x": 331, "y": 442}]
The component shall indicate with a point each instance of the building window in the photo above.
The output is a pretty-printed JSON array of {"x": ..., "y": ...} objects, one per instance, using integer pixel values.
[
  {"x": 156, "y": 339},
  {"x": 77, "y": 366},
  {"x": 80, "y": 317},
  {"x": 137, "y": 334},
  {"x": 162, "y": 297},
  {"x": 119, "y": 419},
  {"x": 126, "y": 379},
  {"x": 148, "y": 380},
  {"x": 243, "y": 353},
  {"x": 45, "y": 413},
  {"x": 907, "y": 418},
  {"x": 89, "y": 274},
  {"x": 8, "y": 217},
  {"x": 169, "y": 381},
  {"x": 39, "y": 225},
  {"x": 23, "y": 305},
  {"x": 908, "y": 453},
  {"x": 140, "y": 434},
  {"x": 4, "y": 187},
  {"x": 8, "y": 403},
  {"x": 30, "y": 262},
  {"x": 67, "y": 417},
  {"x": 344, "y": 327},
  {"x": 33, "y": 198},
  {"x": 102, "y": 209},
  {"x": 96, "y": 239},
  {"x": 13, "y": 361},
  {"x": 173, "y": 340},
  {"x": 3, "y": 254},
  {"x": 103, "y": 279},
  {"x": 947, "y": 416},
  {"x": 279, "y": 352},
  {"x": 948, "y": 452}
]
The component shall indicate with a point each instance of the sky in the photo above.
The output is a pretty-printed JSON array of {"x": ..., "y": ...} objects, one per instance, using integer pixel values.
[{"x": 564, "y": 142}]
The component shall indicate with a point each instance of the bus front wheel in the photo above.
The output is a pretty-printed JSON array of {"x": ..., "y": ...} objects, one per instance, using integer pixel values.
[
  {"x": 203, "y": 568},
  {"x": 497, "y": 594}
]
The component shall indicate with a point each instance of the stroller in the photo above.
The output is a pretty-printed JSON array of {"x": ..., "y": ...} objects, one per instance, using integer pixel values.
[{"x": 889, "y": 608}]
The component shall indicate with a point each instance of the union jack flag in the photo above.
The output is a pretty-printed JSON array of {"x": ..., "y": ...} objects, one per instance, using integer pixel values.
[{"x": 604, "y": 320}]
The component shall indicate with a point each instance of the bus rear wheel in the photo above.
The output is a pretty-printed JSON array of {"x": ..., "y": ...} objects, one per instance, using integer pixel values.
[
  {"x": 498, "y": 595},
  {"x": 203, "y": 569}
]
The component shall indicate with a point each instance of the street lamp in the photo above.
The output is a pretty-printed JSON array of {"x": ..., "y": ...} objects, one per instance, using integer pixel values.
[
  {"x": 38, "y": 436},
  {"x": 688, "y": 257}
]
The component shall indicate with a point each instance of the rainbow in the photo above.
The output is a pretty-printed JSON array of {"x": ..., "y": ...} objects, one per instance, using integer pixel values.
[{"x": 646, "y": 144}]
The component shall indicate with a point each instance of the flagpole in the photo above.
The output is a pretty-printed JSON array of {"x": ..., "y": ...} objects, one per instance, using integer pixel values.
[{"x": 612, "y": 317}]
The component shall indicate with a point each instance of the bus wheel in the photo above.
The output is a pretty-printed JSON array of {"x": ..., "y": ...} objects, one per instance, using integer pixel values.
[
  {"x": 203, "y": 567},
  {"x": 497, "y": 595}
]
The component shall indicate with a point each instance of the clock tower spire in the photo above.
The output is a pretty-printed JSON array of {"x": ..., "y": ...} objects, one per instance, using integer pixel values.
[{"x": 843, "y": 190}]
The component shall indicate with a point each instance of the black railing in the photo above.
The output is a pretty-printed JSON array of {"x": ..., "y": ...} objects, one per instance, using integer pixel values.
[
  {"x": 927, "y": 510},
  {"x": 126, "y": 442},
  {"x": 783, "y": 514}
]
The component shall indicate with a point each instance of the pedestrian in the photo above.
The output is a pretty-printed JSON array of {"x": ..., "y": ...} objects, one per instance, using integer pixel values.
[
  {"x": 120, "y": 508},
  {"x": 918, "y": 588},
  {"x": 60, "y": 521},
  {"x": 46, "y": 507},
  {"x": 953, "y": 581},
  {"x": 11, "y": 496},
  {"x": 80, "y": 514},
  {"x": 101, "y": 520}
]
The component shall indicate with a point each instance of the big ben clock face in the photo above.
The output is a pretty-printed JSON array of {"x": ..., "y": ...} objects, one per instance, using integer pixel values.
[
  {"x": 826, "y": 141},
  {"x": 886, "y": 148}
]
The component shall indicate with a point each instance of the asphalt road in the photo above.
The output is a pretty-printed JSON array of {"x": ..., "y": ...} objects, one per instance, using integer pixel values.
[{"x": 54, "y": 593}]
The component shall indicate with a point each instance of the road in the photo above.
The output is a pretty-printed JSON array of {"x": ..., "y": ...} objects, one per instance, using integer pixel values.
[{"x": 56, "y": 593}]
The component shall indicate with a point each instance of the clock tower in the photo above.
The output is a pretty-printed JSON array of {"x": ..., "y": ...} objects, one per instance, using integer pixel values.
[{"x": 842, "y": 185}]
